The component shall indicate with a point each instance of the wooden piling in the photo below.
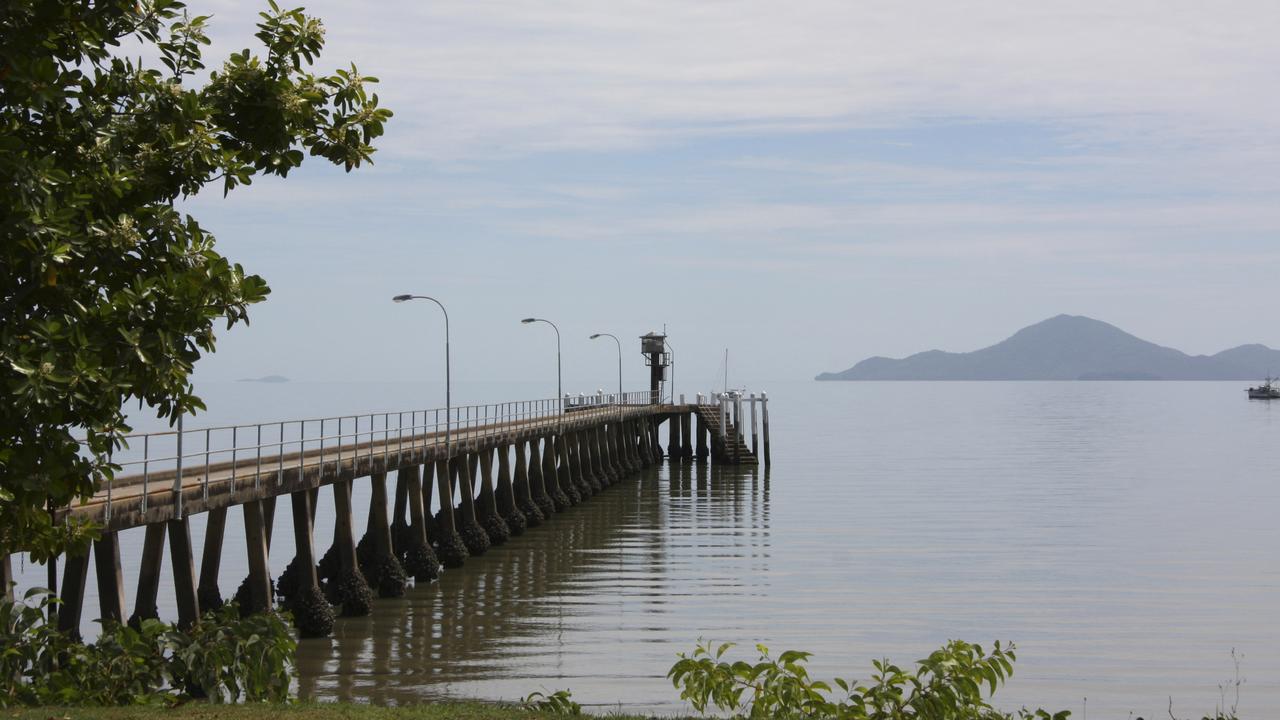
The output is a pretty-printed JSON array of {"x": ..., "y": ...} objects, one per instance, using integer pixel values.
[
  {"x": 255, "y": 532},
  {"x": 184, "y": 572},
  {"x": 211, "y": 559},
  {"x": 144, "y": 601},
  {"x": 106, "y": 557}
]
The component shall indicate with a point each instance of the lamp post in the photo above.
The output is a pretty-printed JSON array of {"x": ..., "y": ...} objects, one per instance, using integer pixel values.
[
  {"x": 673, "y": 369},
  {"x": 448, "y": 391},
  {"x": 559, "y": 384},
  {"x": 619, "y": 344}
]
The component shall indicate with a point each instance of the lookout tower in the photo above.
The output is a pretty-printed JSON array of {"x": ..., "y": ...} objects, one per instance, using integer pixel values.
[{"x": 654, "y": 348}]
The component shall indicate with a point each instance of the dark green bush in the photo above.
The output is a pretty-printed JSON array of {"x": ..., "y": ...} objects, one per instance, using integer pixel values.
[
  {"x": 224, "y": 659},
  {"x": 947, "y": 685}
]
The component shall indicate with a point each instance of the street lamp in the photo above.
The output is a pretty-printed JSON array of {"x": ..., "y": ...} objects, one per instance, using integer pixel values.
[
  {"x": 559, "y": 384},
  {"x": 448, "y": 391},
  {"x": 619, "y": 344}
]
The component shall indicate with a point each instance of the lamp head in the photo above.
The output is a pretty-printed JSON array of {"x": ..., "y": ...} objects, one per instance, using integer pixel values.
[
  {"x": 401, "y": 298},
  {"x": 526, "y": 321},
  {"x": 593, "y": 337}
]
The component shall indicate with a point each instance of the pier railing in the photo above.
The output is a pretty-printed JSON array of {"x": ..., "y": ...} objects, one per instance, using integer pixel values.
[{"x": 248, "y": 452}]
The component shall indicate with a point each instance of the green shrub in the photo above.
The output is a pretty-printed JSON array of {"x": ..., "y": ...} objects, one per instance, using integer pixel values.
[
  {"x": 223, "y": 658},
  {"x": 947, "y": 685}
]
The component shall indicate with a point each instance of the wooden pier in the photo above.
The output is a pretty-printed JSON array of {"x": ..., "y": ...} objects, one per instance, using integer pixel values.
[{"x": 491, "y": 470}]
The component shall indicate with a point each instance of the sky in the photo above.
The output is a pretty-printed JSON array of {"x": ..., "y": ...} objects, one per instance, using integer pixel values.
[{"x": 804, "y": 184}]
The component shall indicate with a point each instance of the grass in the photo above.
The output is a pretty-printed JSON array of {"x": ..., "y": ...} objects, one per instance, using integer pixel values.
[{"x": 299, "y": 711}]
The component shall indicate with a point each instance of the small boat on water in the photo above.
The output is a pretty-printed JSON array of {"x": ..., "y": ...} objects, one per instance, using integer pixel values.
[{"x": 1265, "y": 391}]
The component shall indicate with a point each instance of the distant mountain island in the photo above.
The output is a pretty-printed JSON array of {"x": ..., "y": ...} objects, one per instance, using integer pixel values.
[
  {"x": 267, "y": 379},
  {"x": 1070, "y": 347}
]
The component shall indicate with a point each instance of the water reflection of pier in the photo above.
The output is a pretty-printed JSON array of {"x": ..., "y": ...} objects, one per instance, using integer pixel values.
[{"x": 555, "y": 606}]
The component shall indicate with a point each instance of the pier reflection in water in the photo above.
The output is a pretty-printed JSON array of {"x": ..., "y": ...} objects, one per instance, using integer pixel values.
[{"x": 598, "y": 600}]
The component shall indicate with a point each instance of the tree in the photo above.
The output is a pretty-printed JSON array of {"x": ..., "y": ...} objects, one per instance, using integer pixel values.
[{"x": 109, "y": 294}]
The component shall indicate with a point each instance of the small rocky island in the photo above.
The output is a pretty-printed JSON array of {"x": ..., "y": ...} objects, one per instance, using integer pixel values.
[
  {"x": 267, "y": 379},
  {"x": 1070, "y": 347}
]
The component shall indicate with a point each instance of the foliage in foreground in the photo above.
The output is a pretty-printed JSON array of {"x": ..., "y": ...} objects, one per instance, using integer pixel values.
[
  {"x": 951, "y": 684},
  {"x": 109, "y": 294},
  {"x": 224, "y": 658}
]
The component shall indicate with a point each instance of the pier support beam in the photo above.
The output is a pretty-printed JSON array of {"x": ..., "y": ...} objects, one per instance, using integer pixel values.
[
  {"x": 6, "y": 577},
  {"x": 144, "y": 601},
  {"x": 538, "y": 484},
  {"x": 184, "y": 572},
  {"x": 399, "y": 527},
  {"x": 686, "y": 436},
  {"x": 258, "y": 598},
  {"x": 551, "y": 476},
  {"x": 600, "y": 457},
  {"x": 674, "y": 451},
  {"x": 312, "y": 614},
  {"x": 75, "y": 574},
  {"x": 764, "y": 417},
  {"x": 473, "y": 534},
  {"x": 490, "y": 518},
  {"x": 533, "y": 515},
  {"x": 508, "y": 504},
  {"x": 580, "y": 471},
  {"x": 211, "y": 560},
  {"x": 626, "y": 448},
  {"x": 106, "y": 557},
  {"x": 703, "y": 434},
  {"x": 564, "y": 473},
  {"x": 378, "y": 562},
  {"x": 418, "y": 559},
  {"x": 450, "y": 547},
  {"x": 346, "y": 586}
]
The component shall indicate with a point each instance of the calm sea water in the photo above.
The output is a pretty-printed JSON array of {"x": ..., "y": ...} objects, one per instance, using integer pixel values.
[{"x": 1123, "y": 534}]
